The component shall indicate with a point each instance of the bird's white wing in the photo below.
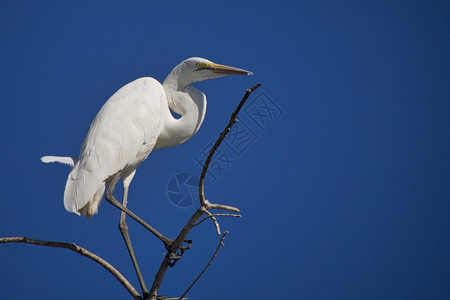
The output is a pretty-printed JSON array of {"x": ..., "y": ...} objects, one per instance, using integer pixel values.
[
  {"x": 71, "y": 161},
  {"x": 120, "y": 137}
]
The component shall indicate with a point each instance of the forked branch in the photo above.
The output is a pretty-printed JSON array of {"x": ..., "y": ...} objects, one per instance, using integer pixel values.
[{"x": 205, "y": 205}]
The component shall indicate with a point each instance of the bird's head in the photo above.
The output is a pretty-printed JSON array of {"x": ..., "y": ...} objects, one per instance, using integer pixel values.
[{"x": 197, "y": 69}]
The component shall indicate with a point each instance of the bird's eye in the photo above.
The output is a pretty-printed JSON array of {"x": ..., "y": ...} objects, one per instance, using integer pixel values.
[{"x": 199, "y": 65}]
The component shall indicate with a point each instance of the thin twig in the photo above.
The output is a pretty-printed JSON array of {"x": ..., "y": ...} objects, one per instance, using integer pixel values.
[
  {"x": 220, "y": 206},
  {"x": 217, "y": 215},
  {"x": 201, "y": 192},
  {"x": 213, "y": 218},
  {"x": 207, "y": 265},
  {"x": 82, "y": 251}
]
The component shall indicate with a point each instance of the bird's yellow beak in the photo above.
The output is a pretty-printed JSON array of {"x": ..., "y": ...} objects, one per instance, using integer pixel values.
[{"x": 221, "y": 69}]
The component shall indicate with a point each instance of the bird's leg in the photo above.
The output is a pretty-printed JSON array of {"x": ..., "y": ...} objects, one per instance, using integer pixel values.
[
  {"x": 111, "y": 199},
  {"x": 126, "y": 237}
]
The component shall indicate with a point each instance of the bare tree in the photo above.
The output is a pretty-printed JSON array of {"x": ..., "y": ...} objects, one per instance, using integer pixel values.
[{"x": 180, "y": 244}]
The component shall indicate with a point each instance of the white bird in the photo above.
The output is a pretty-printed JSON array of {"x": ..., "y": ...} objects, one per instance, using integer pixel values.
[{"x": 134, "y": 121}]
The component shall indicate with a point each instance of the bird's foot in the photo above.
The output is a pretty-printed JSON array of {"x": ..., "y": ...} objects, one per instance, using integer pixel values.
[
  {"x": 174, "y": 257},
  {"x": 188, "y": 245}
]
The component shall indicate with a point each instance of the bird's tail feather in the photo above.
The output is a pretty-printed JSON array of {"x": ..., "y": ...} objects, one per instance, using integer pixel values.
[
  {"x": 83, "y": 192},
  {"x": 71, "y": 161}
]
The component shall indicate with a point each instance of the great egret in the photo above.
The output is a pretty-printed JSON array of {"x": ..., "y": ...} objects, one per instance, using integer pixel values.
[{"x": 132, "y": 123}]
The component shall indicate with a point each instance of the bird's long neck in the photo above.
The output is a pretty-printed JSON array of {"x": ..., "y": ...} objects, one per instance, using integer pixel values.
[{"x": 186, "y": 101}]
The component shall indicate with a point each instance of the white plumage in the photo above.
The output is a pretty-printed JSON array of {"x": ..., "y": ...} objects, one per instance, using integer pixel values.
[{"x": 133, "y": 122}]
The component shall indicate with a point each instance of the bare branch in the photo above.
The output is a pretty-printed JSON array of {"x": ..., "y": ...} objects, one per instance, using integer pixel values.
[
  {"x": 201, "y": 184},
  {"x": 175, "y": 248},
  {"x": 205, "y": 205},
  {"x": 217, "y": 215},
  {"x": 167, "y": 261},
  {"x": 209, "y": 205},
  {"x": 82, "y": 251},
  {"x": 213, "y": 218},
  {"x": 207, "y": 265}
]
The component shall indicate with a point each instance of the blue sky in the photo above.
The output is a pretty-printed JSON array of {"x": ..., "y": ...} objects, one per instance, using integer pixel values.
[{"x": 344, "y": 192}]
